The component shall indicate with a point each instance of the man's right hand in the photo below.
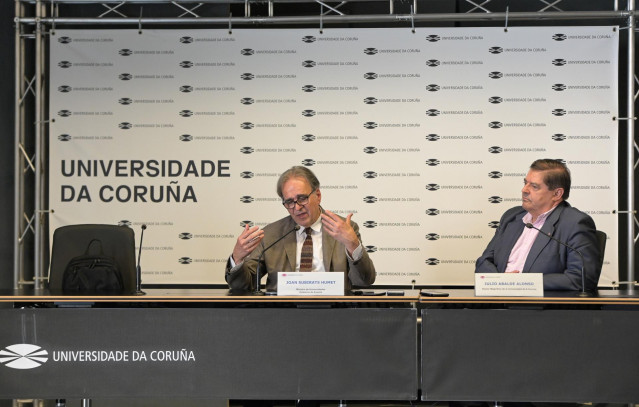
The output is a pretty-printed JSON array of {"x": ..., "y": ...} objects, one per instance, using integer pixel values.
[{"x": 247, "y": 242}]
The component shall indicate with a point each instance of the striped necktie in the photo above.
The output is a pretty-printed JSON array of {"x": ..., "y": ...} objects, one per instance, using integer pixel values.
[{"x": 306, "y": 259}]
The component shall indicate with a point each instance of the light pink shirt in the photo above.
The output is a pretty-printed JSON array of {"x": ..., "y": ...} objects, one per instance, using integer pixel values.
[{"x": 521, "y": 249}]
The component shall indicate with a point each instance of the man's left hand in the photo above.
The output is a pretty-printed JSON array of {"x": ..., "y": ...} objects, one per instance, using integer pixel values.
[{"x": 341, "y": 230}]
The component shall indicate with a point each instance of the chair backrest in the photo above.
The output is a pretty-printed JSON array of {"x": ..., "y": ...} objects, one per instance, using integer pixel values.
[
  {"x": 601, "y": 239},
  {"x": 70, "y": 241}
]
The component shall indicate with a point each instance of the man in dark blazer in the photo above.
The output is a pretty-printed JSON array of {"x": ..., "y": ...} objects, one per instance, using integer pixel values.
[
  {"x": 518, "y": 249},
  {"x": 336, "y": 240}
]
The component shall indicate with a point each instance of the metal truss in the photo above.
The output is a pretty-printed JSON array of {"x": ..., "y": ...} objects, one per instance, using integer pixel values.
[
  {"x": 36, "y": 19},
  {"x": 548, "y": 5},
  {"x": 209, "y": 11}
]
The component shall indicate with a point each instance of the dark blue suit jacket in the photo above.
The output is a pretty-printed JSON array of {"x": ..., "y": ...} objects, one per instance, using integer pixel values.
[{"x": 560, "y": 265}]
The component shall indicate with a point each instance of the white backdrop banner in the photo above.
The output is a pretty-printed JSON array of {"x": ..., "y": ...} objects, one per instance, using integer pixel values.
[{"x": 425, "y": 137}]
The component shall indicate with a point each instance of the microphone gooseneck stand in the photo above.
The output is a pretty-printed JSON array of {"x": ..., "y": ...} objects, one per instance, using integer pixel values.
[
  {"x": 138, "y": 270},
  {"x": 583, "y": 292},
  {"x": 257, "y": 290}
]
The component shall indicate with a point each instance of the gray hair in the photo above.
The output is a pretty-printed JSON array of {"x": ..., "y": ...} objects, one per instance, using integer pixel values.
[{"x": 297, "y": 172}]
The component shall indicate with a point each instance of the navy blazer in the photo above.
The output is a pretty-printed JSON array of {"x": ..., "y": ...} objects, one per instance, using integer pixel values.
[{"x": 560, "y": 265}]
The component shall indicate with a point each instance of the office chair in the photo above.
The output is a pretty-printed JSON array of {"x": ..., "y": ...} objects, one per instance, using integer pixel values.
[
  {"x": 601, "y": 239},
  {"x": 71, "y": 241}
]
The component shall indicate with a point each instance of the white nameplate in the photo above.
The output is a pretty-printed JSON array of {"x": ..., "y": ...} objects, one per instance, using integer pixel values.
[
  {"x": 313, "y": 283},
  {"x": 509, "y": 285}
]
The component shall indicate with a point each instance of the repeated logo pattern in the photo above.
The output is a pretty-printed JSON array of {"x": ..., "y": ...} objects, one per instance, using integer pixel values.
[{"x": 422, "y": 136}]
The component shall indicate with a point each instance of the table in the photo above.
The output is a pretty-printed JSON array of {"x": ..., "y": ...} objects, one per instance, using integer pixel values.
[
  {"x": 209, "y": 344},
  {"x": 559, "y": 348},
  {"x": 200, "y": 343}
]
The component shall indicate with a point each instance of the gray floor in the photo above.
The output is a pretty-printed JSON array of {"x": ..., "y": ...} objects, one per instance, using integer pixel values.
[{"x": 238, "y": 403}]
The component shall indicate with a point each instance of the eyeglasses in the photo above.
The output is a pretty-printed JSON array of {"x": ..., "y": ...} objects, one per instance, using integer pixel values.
[{"x": 300, "y": 200}]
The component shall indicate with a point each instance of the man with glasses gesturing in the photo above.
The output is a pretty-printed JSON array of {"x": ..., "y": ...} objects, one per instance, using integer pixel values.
[{"x": 323, "y": 242}]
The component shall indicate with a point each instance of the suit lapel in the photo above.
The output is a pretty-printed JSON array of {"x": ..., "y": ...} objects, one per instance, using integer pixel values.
[
  {"x": 290, "y": 245},
  {"x": 328, "y": 246},
  {"x": 542, "y": 241}
]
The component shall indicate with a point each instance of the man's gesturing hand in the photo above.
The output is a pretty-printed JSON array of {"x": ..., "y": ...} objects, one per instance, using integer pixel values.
[
  {"x": 341, "y": 230},
  {"x": 247, "y": 242}
]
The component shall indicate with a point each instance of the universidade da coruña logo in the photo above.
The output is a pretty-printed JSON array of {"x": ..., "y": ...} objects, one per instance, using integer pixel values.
[{"x": 23, "y": 356}]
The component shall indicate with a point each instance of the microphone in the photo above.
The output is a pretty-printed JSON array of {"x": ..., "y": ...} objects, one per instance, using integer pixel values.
[
  {"x": 259, "y": 260},
  {"x": 138, "y": 270},
  {"x": 583, "y": 292}
]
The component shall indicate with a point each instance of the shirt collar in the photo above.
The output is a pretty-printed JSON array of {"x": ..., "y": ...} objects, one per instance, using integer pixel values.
[
  {"x": 540, "y": 219},
  {"x": 317, "y": 227}
]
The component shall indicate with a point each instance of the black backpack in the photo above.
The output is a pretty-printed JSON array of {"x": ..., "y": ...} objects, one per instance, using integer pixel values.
[{"x": 92, "y": 272}]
